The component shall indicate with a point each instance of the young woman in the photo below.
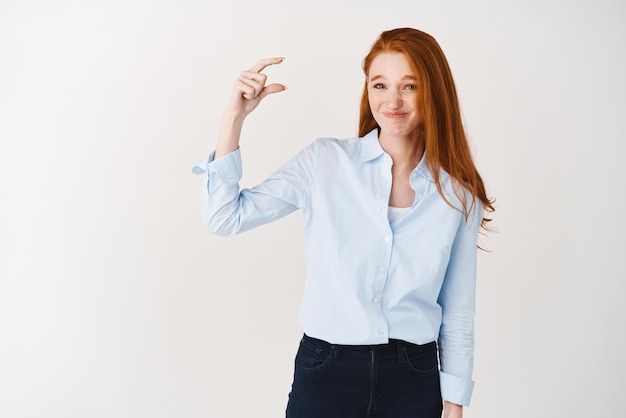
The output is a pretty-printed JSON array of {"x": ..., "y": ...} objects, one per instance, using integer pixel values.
[{"x": 390, "y": 224}]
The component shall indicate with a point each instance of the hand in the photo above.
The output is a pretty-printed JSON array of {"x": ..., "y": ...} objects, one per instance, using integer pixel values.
[
  {"x": 452, "y": 410},
  {"x": 250, "y": 89}
]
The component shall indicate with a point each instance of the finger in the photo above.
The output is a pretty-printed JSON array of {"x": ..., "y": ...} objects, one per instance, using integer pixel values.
[
  {"x": 272, "y": 88},
  {"x": 256, "y": 82},
  {"x": 248, "y": 89},
  {"x": 261, "y": 65},
  {"x": 261, "y": 78}
]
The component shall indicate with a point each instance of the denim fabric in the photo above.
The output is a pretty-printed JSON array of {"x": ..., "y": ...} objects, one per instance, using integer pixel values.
[{"x": 393, "y": 380}]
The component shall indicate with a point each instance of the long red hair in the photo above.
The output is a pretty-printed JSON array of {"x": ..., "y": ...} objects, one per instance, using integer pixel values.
[{"x": 445, "y": 142}]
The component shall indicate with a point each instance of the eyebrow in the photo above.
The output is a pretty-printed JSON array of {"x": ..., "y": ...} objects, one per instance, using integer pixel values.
[{"x": 406, "y": 77}]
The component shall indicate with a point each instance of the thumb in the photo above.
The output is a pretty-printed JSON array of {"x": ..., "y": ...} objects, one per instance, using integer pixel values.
[{"x": 272, "y": 88}]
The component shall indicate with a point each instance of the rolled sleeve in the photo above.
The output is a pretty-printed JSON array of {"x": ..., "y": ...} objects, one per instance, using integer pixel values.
[
  {"x": 202, "y": 166},
  {"x": 457, "y": 300},
  {"x": 229, "y": 210},
  {"x": 227, "y": 168},
  {"x": 220, "y": 188},
  {"x": 456, "y": 389}
]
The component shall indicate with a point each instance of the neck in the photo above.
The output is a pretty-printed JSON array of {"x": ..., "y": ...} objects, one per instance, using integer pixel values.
[{"x": 404, "y": 151}]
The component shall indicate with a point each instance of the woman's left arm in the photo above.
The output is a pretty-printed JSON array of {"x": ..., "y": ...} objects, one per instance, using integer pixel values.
[
  {"x": 452, "y": 410},
  {"x": 457, "y": 301}
]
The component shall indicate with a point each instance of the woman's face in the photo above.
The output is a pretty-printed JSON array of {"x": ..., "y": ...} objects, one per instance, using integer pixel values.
[{"x": 392, "y": 90}]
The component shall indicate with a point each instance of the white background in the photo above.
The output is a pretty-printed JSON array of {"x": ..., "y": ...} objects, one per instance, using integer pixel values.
[{"x": 114, "y": 302}]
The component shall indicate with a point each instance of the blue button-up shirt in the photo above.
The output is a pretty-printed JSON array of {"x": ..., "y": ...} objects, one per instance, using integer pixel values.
[{"x": 367, "y": 280}]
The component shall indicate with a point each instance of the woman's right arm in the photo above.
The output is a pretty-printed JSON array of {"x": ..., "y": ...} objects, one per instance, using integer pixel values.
[
  {"x": 248, "y": 91},
  {"x": 228, "y": 209}
]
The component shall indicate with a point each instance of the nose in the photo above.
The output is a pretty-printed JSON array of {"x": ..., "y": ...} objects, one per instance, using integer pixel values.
[{"x": 394, "y": 99}]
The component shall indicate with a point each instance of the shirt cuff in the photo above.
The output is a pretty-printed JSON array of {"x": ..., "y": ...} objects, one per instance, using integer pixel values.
[
  {"x": 203, "y": 165},
  {"x": 227, "y": 167},
  {"x": 456, "y": 389}
]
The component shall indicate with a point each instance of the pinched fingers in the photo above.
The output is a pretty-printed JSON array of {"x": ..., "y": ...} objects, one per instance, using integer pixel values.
[
  {"x": 251, "y": 84},
  {"x": 250, "y": 88},
  {"x": 253, "y": 81}
]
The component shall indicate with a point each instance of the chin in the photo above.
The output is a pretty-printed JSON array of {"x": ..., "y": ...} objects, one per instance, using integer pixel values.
[{"x": 397, "y": 131}]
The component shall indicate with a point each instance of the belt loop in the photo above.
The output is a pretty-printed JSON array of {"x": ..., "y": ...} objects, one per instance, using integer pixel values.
[
  {"x": 337, "y": 351},
  {"x": 400, "y": 348}
]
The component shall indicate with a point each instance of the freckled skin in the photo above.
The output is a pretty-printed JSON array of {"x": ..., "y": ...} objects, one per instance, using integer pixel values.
[{"x": 392, "y": 92}]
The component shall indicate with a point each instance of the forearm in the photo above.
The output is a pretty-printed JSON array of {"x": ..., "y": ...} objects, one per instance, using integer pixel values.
[{"x": 230, "y": 132}]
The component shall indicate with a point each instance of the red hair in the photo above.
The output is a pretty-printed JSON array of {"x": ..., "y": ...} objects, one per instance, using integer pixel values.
[{"x": 445, "y": 142}]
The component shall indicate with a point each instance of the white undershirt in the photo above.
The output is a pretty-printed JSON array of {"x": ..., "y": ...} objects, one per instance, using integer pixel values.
[{"x": 395, "y": 214}]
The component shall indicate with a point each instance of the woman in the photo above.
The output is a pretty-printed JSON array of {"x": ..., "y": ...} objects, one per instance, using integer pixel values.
[{"x": 390, "y": 224}]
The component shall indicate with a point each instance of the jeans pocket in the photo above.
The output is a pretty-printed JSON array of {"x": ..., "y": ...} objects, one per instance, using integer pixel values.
[
  {"x": 422, "y": 359},
  {"x": 313, "y": 354}
]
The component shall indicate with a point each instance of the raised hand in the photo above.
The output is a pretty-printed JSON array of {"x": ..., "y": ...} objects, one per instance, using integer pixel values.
[{"x": 250, "y": 89}]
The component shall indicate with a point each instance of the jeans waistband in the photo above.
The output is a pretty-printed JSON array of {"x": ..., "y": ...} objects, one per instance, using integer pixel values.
[{"x": 392, "y": 345}]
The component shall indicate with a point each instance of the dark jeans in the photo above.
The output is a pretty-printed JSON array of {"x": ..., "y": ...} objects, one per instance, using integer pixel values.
[{"x": 394, "y": 380}]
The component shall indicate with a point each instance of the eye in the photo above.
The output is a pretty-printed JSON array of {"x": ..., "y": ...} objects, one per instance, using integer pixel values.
[
  {"x": 410, "y": 87},
  {"x": 378, "y": 86}
]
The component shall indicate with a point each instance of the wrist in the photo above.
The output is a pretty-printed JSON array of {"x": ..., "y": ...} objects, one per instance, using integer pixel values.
[
  {"x": 230, "y": 131},
  {"x": 452, "y": 410},
  {"x": 232, "y": 119}
]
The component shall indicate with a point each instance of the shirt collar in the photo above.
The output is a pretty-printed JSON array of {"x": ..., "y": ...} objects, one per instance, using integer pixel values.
[
  {"x": 423, "y": 169},
  {"x": 371, "y": 149}
]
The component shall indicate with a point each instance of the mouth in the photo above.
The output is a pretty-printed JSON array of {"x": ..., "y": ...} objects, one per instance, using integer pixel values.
[{"x": 395, "y": 115}]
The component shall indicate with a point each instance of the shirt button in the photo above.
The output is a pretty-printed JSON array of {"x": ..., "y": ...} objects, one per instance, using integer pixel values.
[
  {"x": 382, "y": 269},
  {"x": 387, "y": 239},
  {"x": 376, "y": 300}
]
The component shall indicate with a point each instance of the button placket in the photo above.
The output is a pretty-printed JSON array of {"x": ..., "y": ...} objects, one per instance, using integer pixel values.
[{"x": 419, "y": 184}]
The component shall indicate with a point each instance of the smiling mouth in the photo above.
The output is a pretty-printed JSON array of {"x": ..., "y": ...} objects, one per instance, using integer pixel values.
[{"x": 395, "y": 115}]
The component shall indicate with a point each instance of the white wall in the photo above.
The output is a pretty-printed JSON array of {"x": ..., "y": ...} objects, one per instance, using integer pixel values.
[{"x": 114, "y": 302}]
